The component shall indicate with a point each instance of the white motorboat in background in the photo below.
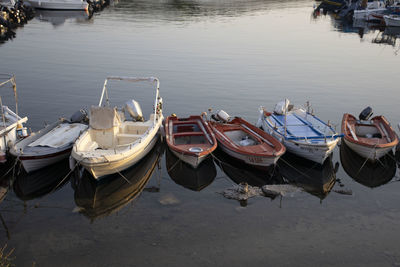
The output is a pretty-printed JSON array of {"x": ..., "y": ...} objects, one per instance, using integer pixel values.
[
  {"x": 392, "y": 20},
  {"x": 375, "y": 7},
  {"x": 47, "y": 146},
  {"x": 113, "y": 143},
  {"x": 59, "y": 4},
  {"x": 9, "y": 121}
]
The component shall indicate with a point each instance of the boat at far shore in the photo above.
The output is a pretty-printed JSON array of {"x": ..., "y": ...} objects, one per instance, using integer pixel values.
[
  {"x": 369, "y": 138},
  {"x": 60, "y": 4},
  {"x": 392, "y": 20}
]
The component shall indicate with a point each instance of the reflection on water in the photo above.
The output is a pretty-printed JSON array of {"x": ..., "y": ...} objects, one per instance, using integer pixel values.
[
  {"x": 39, "y": 183},
  {"x": 98, "y": 199},
  {"x": 371, "y": 174},
  {"x": 195, "y": 179},
  {"x": 315, "y": 179},
  {"x": 58, "y": 17},
  {"x": 242, "y": 173}
]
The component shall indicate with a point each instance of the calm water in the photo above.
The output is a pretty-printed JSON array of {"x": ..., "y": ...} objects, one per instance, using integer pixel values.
[{"x": 234, "y": 55}]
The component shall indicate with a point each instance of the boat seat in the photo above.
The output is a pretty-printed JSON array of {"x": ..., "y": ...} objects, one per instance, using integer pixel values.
[
  {"x": 188, "y": 133},
  {"x": 123, "y": 139}
]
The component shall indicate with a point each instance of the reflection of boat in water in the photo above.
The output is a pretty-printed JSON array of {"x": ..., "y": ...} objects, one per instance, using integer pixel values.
[
  {"x": 39, "y": 183},
  {"x": 315, "y": 179},
  {"x": 102, "y": 198},
  {"x": 187, "y": 176},
  {"x": 59, "y": 17},
  {"x": 371, "y": 174},
  {"x": 242, "y": 173}
]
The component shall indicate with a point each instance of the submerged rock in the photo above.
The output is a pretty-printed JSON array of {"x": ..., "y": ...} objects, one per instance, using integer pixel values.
[
  {"x": 275, "y": 190},
  {"x": 241, "y": 192}
]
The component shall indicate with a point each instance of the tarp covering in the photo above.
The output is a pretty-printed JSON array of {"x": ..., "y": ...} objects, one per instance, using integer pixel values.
[
  {"x": 62, "y": 135},
  {"x": 103, "y": 118}
]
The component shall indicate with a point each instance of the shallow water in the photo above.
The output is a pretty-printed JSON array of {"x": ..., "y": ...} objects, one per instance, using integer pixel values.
[{"x": 230, "y": 54}]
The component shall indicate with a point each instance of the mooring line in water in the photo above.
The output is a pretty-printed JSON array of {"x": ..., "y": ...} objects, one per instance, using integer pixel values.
[
  {"x": 365, "y": 162},
  {"x": 15, "y": 163}
]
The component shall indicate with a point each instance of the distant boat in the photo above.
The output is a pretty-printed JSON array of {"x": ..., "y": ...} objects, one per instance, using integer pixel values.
[
  {"x": 392, "y": 20},
  {"x": 245, "y": 142},
  {"x": 300, "y": 131},
  {"x": 11, "y": 128},
  {"x": 47, "y": 146},
  {"x": 375, "y": 7},
  {"x": 190, "y": 139},
  {"x": 370, "y": 138},
  {"x": 59, "y": 4},
  {"x": 113, "y": 143}
]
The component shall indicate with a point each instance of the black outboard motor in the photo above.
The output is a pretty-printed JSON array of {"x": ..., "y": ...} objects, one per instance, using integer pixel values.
[
  {"x": 365, "y": 114},
  {"x": 80, "y": 116}
]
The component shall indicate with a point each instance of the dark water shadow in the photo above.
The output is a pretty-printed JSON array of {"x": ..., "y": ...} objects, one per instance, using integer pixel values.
[
  {"x": 28, "y": 186},
  {"x": 316, "y": 179},
  {"x": 367, "y": 173},
  {"x": 97, "y": 199},
  {"x": 183, "y": 174},
  {"x": 240, "y": 172}
]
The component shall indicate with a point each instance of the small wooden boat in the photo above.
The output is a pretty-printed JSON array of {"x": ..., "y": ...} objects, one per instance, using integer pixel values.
[
  {"x": 370, "y": 138},
  {"x": 190, "y": 139},
  {"x": 59, "y": 4},
  {"x": 301, "y": 132},
  {"x": 113, "y": 143},
  {"x": 392, "y": 20},
  {"x": 245, "y": 142},
  {"x": 47, "y": 146}
]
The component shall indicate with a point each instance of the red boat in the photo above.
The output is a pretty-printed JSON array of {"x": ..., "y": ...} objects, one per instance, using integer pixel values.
[
  {"x": 245, "y": 142},
  {"x": 370, "y": 138},
  {"x": 190, "y": 139}
]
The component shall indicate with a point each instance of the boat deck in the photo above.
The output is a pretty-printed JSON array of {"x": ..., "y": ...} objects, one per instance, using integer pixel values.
[{"x": 296, "y": 126}]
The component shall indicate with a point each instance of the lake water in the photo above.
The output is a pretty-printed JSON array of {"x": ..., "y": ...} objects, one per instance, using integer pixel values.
[{"x": 234, "y": 55}]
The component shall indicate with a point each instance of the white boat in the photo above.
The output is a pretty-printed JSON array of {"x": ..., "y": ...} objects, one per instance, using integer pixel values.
[
  {"x": 375, "y": 7},
  {"x": 47, "y": 146},
  {"x": 392, "y": 20},
  {"x": 9, "y": 120},
  {"x": 59, "y": 4},
  {"x": 301, "y": 132},
  {"x": 112, "y": 143}
]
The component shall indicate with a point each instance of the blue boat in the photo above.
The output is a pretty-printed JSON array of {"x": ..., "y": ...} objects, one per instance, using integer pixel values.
[{"x": 300, "y": 131}]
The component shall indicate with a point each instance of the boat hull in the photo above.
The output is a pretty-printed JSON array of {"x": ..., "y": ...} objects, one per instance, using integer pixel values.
[
  {"x": 33, "y": 163},
  {"x": 192, "y": 160},
  {"x": 370, "y": 153},
  {"x": 99, "y": 170},
  {"x": 59, "y": 5},
  {"x": 391, "y": 21},
  {"x": 253, "y": 160}
]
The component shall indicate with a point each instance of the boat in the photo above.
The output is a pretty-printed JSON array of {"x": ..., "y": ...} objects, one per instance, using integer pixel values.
[
  {"x": 367, "y": 173},
  {"x": 59, "y": 4},
  {"x": 59, "y": 17},
  {"x": 190, "y": 139},
  {"x": 369, "y": 138},
  {"x": 49, "y": 145},
  {"x": 302, "y": 133},
  {"x": 11, "y": 124},
  {"x": 195, "y": 179},
  {"x": 244, "y": 141},
  {"x": 97, "y": 199},
  {"x": 392, "y": 20},
  {"x": 113, "y": 143},
  {"x": 362, "y": 12}
]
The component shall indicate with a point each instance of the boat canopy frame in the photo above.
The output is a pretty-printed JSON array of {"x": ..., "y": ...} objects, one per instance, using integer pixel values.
[
  {"x": 4, "y": 80},
  {"x": 132, "y": 79}
]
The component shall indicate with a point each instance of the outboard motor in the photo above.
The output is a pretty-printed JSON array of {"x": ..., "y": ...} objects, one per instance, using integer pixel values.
[
  {"x": 79, "y": 116},
  {"x": 365, "y": 114},
  {"x": 134, "y": 110},
  {"x": 223, "y": 116}
]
